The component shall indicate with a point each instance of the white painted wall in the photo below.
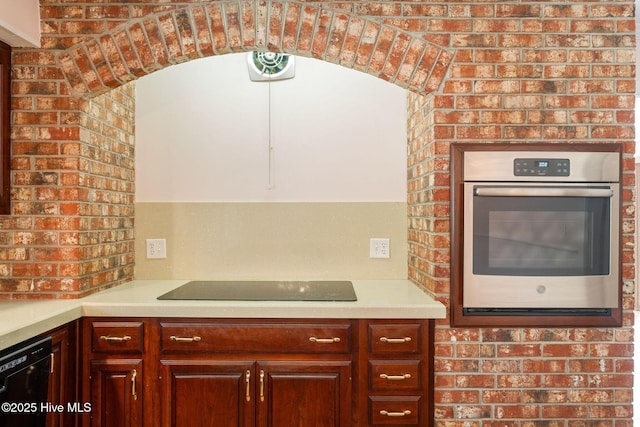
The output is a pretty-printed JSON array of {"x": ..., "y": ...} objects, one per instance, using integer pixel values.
[
  {"x": 202, "y": 134},
  {"x": 20, "y": 22}
]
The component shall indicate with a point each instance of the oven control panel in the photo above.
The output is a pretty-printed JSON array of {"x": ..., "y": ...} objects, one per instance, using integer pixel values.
[{"x": 541, "y": 167}]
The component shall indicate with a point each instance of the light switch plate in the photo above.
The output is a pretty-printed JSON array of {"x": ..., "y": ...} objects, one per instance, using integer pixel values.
[
  {"x": 156, "y": 248},
  {"x": 379, "y": 248}
]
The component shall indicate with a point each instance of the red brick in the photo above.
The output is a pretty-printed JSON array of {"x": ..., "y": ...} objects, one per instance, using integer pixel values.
[
  {"x": 424, "y": 67},
  {"x": 290, "y": 32},
  {"x": 336, "y": 37},
  {"x": 321, "y": 34},
  {"x": 456, "y": 396},
  {"x": 170, "y": 35},
  {"x": 109, "y": 47},
  {"x": 517, "y": 411},
  {"x": 156, "y": 42},
  {"x": 307, "y": 25},
  {"x": 500, "y": 396},
  {"x": 128, "y": 51},
  {"x": 201, "y": 32},
  {"x": 187, "y": 36},
  {"x": 382, "y": 49}
]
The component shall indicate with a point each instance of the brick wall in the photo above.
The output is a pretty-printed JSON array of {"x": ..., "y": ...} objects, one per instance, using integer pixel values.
[
  {"x": 105, "y": 195},
  {"x": 510, "y": 376},
  {"x": 71, "y": 230},
  {"x": 563, "y": 86},
  {"x": 478, "y": 71}
]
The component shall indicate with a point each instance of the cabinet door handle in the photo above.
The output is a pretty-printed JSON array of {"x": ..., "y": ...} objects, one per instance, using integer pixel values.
[
  {"x": 53, "y": 359},
  {"x": 115, "y": 339},
  {"x": 185, "y": 339},
  {"x": 395, "y": 377},
  {"x": 261, "y": 385},
  {"x": 134, "y": 374},
  {"x": 395, "y": 340},
  {"x": 324, "y": 340},
  {"x": 395, "y": 414},
  {"x": 247, "y": 380}
]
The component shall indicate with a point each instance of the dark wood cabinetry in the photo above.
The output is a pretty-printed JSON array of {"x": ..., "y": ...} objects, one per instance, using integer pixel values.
[
  {"x": 396, "y": 373},
  {"x": 5, "y": 122},
  {"x": 114, "y": 392},
  {"x": 260, "y": 393},
  {"x": 207, "y": 392},
  {"x": 113, "y": 372},
  {"x": 62, "y": 381},
  {"x": 307, "y": 393},
  {"x": 257, "y": 372},
  {"x": 267, "y": 373}
]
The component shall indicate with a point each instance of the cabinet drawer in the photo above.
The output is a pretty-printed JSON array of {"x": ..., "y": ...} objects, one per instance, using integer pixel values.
[
  {"x": 117, "y": 337},
  {"x": 394, "y": 375},
  {"x": 395, "y": 338},
  {"x": 388, "y": 410},
  {"x": 179, "y": 337}
]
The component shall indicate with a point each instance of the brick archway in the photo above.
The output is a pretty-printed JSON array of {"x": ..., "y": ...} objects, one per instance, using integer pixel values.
[{"x": 140, "y": 47}]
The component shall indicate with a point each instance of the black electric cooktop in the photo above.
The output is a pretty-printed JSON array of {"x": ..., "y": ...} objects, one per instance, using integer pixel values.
[{"x": 264, "y": 291}]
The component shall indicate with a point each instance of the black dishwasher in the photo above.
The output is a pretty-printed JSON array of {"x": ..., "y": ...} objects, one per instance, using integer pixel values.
[{"x": 24, "y": 382}]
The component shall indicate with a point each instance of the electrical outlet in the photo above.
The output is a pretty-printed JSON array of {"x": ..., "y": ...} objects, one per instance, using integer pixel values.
[
  {"x": 379, "y": 248},
  {"x": 156, "y": 248}
]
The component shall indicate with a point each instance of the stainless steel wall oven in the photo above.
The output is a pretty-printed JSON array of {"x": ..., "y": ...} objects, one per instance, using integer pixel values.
[{"x": 537, "y": 234}]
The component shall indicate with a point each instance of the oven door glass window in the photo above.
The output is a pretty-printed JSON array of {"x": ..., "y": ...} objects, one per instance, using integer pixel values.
[{"x": 541, "y": 236}]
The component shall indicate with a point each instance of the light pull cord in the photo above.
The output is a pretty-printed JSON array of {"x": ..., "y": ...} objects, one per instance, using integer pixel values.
[{"x": 271, "y": 179}]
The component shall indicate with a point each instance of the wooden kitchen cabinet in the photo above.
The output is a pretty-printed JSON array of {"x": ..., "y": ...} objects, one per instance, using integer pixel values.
[
  {"x": 266, "y": 393},
  {"x": 301, "y": 394},
  {"x": 113, "y": 373},
  {"x": 62, "y": 381},
  {"x": 258, "y": 372},
  {"x": 396, "y": 373},
  {"x": 115, "y": 392},
  {"x": 207, "y": 393}
]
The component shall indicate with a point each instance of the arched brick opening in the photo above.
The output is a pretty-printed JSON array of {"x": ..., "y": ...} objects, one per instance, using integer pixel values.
[
  {"x": 109, "y": 60},
  {"x": 140, "y": 47},
  {"x": 73, "y": 177}
]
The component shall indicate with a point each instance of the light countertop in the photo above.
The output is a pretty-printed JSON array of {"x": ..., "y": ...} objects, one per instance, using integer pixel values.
[{"x": 377, "y": 299}]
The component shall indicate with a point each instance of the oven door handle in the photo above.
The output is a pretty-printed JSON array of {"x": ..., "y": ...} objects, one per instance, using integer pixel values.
[{"x": 541, "y": 192}]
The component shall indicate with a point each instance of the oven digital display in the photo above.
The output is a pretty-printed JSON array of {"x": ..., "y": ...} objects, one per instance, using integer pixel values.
[{"x": 541, "y": 167}]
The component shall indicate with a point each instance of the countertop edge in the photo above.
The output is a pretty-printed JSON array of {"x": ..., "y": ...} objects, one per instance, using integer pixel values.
[
  {"x": 48, "y": 322},
  {"x": 25, "y": 319}
]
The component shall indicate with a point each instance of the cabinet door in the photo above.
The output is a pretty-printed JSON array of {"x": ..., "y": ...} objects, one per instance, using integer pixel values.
[
  {"x": 116, "y": 393},
  {"x": 207, "y": 393},
  {"x": 304, "y": 394},
  {"x": 62, "y": 379}
]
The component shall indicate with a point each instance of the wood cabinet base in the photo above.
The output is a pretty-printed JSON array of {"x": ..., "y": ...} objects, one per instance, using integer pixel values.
[{"x": 257, "y": 372}]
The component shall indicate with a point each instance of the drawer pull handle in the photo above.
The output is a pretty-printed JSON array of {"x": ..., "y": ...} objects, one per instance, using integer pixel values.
[
  {"x": 185, "y": 339},
  {"x": 395, "y": 414},
  {"x": 395, "y": 377},
  {"x": 395, "y": 340},
  {"x": 324, "y": 340},
  {"x": 115, "y": 339}
]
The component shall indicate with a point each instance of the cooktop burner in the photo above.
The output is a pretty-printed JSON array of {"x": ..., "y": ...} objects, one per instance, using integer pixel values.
[{"x": 264, "y": 291}]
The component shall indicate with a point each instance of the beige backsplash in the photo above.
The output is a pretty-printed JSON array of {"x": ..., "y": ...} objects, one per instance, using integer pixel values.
[{"x": 297, "y": 241}]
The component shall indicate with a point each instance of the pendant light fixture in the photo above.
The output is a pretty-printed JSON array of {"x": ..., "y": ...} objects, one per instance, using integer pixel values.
[{"x": 269, "y": 67}]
